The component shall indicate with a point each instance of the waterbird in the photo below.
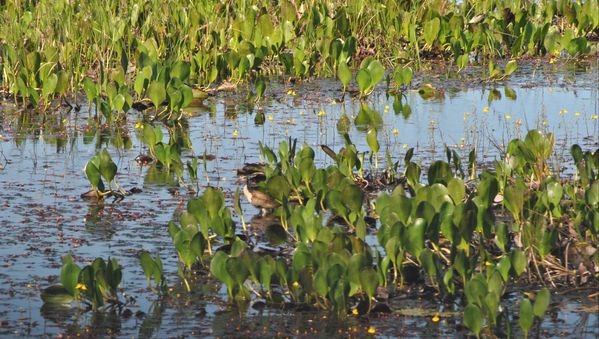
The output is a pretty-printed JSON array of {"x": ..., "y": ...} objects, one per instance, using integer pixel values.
[{"x": 260, "y": 199}]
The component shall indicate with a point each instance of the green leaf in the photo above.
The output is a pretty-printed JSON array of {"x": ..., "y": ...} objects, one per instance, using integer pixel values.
[
  {"x": 157, "y": 93},
  {"x": 344, "y": 74},
  {"x": 554, "y": 192},
  {"x": 364, "y": 80},
  {"x": 542, "y": 302},
  {"x": 511, "y": 67},
  {"x": 93, "y": 174},
  {"x": 473, "y": 318},
  {"x": 519, "y": 261},
  {"x": 49, "y": 85},
  {"x": 372, "y": 140},
  {"x": 526, "y": 315},
  {"x": 148, "y": 265},
  {"x": 456, "y": 189},
  {"x": 218, "y": 268},
  {"x": 69, "y": 275},
  {"x": 514, "y": 200},
  {"x": 431, "y": 30},
  {"x": 107, "y": 166},
  {"x": 414, "y": 237},
  {"x": 369, "y": 281},
  {"x": 376, "y": 72},
  {"x": 260, "y": 87}
]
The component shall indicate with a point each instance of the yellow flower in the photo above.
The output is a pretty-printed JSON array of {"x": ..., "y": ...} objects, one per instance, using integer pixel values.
[
  {"x": 563, "y": 111},
  {"x": 552, "y": 60},
  {"x": 395, "y": 131},
  {"x": 577, "y": 114},
  {"x": 295, "y": 284},
  {"x": 138, "y": 125},
  {"x": 81, "y": 286},
  {"x": 387, "y": 107},
  {"x": 486, "y": 109},
  {"x": 594, "y": 117},
  {"x": 405, "y": 146},
  {"x": 355, "y": 311},
  {"x": 291, "y": 92},
  {"x": 333, "y": 102},
  {"x": 321, "y": 113},
  {"x": 507, "y": 116},
  {"x": 462, "y": 139},
  {"x": 436, "y": 318},
  {"x": 371, "y": 330},
  {"x": 235, "y": 134},
  {"x": 269, "y": 117},
  {"x": 301, "y": 112}
]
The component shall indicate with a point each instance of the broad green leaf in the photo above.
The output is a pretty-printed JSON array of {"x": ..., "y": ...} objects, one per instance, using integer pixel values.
[
  {"x": 344, "y": 74},
  {"x": 511, "y": 67},
  {"x": 526, "y": 315},
  {"x": 519, "y": 261},
  {"x": 107, "y": 166},
  {"x": 473, "y": 318},
  {"x": 364, "y": 80},
  {"x": 49, "y": 85},
  {"x": 369, "y": 281},
  {"x": 542, "y": 302},
  {"x": 157, "y": 93}
]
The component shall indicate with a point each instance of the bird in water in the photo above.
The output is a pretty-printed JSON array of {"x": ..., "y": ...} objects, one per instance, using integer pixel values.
[{"x": 259, "y": 198}]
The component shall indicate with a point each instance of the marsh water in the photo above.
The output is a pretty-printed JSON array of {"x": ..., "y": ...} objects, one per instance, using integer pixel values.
[{"x": 42, "y": 216}]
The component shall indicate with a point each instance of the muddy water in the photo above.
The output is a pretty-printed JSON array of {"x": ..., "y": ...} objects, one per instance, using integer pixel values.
[{"x": 42, "y": 217}]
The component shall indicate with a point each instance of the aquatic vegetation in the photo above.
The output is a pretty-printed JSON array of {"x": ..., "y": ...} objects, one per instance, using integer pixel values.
[
  {"x": 96, "y": 284},
  {"x": 456, "y": 234},
  {"x": 122, "y": 55},
  {"x": 101, "y": 166}
]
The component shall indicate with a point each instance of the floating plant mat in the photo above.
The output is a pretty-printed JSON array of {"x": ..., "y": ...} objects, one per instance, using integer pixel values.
[{"x": 44, "y": 218}]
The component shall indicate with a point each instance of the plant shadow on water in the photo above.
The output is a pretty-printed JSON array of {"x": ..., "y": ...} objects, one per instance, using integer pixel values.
[{"x": 60, "y": 222}]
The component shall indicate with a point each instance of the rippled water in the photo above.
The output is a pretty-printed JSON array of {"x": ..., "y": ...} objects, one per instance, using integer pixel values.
[{"x": 42, "y": 217}]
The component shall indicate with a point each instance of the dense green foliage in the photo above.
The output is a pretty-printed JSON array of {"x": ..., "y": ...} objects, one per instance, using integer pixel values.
[{"x": 122, "y": 51}]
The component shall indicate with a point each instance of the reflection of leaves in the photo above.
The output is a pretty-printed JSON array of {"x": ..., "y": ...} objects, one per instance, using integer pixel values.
[
  {"x": 153, "y": 320},
  {"x": 58, "y": 314}
]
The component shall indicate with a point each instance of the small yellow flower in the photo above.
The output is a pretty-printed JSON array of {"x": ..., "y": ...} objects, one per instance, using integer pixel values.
[
  {"x": 552, "y": 60},
  {"x": 387, "y": 107},
  {"x": 81, "y": 286},
  {"x": 138, "y": 125},
  {"x": 235, "y": 134},
  {"x": 295, "y": 284},
  {"x": 556, "y": 52},
  {"x": 436, "y": 318},
  {"x": 507, "y": 116},
  {"x": 577, "y": 114},
  {"x": 544, "y": 122},
  {"x": 462, "y": 139},
  {"x": 269, "y": 117},
  {"x": 333, "y": 102},
  {"x": 405, "y": 146},
  {"x": 354, "y": 311},
  {"x": 371, "y": 330},
  {"x": 291, "y": 92},
  {"x": 293, "y": 121},
  {"x": 563, "y": 111},
  {"x": 594, "y": 117},
  {"x": 301, "y": 113},
  {"x": 395, "y": 131},
  {"x": 321, "y": 113},
  {"x": 486, "y": 109}
]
